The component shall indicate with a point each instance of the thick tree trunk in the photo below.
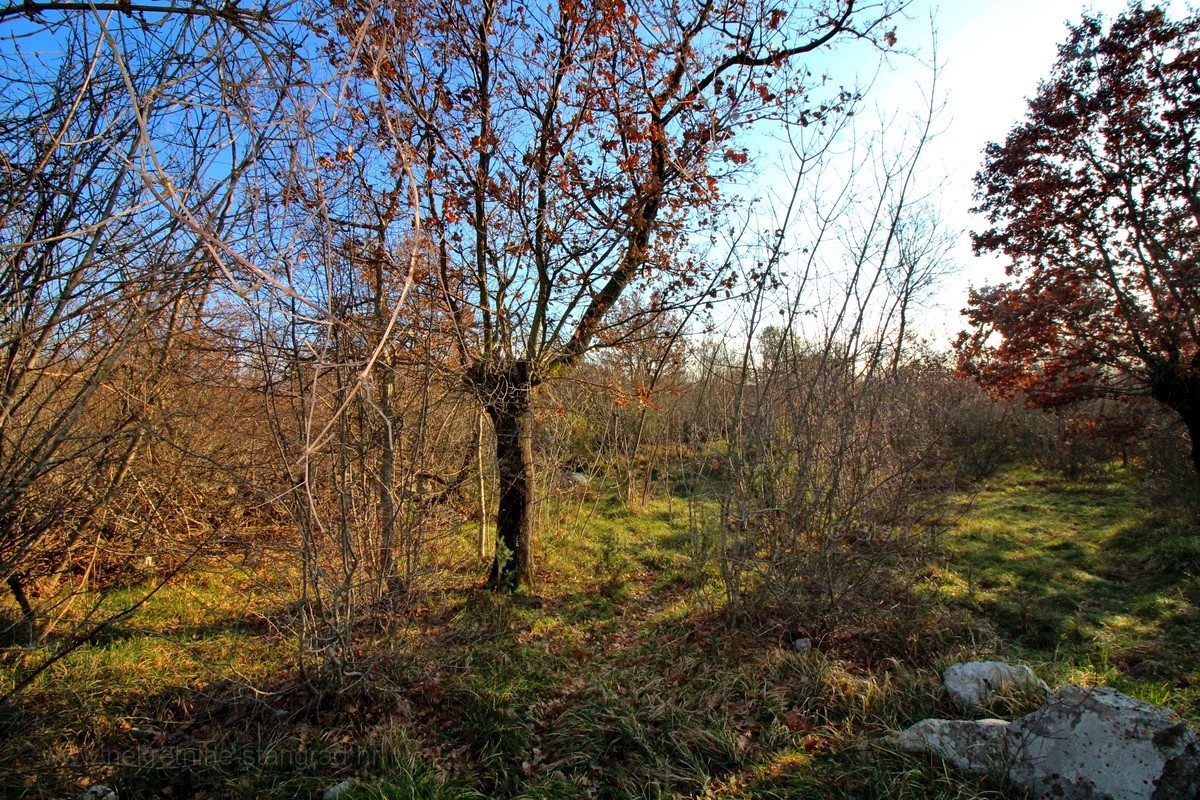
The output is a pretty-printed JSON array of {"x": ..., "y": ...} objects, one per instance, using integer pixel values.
[
  {"x": 1179, "y": 389},
  {"x": 509, "y": 405},
  {"x": 1191, "y": 419}
]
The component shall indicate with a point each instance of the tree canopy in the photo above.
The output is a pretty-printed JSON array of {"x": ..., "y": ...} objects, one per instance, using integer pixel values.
[
  {"x": 1095, "y": 200},
  {"x": 569, "y": 152}
]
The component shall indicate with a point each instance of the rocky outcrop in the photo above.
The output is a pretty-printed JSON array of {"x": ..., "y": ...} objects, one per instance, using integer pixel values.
[
  {"x": 1098, "y": 743},
  {"x": 978, "y": 746},
  {"x": 1082, "y": 744},
  {"x": 975, "y": 683}
]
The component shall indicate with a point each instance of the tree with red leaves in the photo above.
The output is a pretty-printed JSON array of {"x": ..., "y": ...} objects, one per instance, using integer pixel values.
[
  {"x": 1095, "y": 199},
  {"x": 569, "y": 152}
]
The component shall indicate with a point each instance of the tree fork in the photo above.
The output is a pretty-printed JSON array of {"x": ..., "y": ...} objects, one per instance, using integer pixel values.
[{"x": 507, "y": 397}]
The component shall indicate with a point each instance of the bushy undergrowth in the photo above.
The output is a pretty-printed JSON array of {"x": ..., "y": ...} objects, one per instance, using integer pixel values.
[
  {"x": 624, "y": 677},
  {"x": 840, "y": 475}
]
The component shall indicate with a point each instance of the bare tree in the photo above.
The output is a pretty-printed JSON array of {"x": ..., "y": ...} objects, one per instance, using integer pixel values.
[
  {"x": 566, "y": 156},
  {"x": 836, "y": 459},
  {"x": 123, "y": 151}
]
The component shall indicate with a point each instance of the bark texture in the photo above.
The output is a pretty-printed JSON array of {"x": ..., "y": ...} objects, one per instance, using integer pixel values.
[
  {"x": 1179, "y": 390},
  {"x": 509, "y": 405}
]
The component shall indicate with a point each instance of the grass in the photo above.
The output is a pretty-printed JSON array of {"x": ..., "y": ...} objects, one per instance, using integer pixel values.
[
  {"x": 622, "y": 678},
  {"x": 1087, "y": 578}
]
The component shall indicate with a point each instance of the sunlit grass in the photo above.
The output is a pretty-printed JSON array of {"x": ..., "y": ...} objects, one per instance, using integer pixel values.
[
  {"x": 620, "y": 676},
  {"x": 1091, "y": 578}
]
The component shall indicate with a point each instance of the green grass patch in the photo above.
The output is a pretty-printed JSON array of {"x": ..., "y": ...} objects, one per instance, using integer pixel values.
[
  {"x": 621, "y": 676},
  {"x": 1090, "y": 578}
]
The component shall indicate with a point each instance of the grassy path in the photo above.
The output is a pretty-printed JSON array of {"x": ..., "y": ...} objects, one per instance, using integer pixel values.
[
  {"x": 622, "y": 679},
  {"x": 1090, "y": 578}
]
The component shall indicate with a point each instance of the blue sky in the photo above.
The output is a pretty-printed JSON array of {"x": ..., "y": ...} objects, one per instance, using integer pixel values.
[{"x": 993, "y": 53}]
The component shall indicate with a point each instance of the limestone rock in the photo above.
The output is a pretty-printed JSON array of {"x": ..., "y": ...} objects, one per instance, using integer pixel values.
[
  {"x": 566, "y": 479},
  {"x": 977, "y": 746},
  {"x": 98, "y": 792},
  {"x": 1096, "y": 744},
  {"x": 335, "y": 792},
  {"x": 972, "y": 684},
  {"x": 1082, "y": 744}
]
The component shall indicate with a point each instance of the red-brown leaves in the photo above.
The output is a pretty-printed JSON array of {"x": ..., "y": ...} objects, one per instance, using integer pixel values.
[
  {"x": 1093, "y": 199},
  {"x": 570, "y": 150}
]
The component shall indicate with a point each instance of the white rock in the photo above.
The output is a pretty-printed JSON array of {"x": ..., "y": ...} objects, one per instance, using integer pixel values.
[
  {"x": 1097, "y": 744},
  {"x": 972, "y": 684},
  {"x": 802, "y": 645},
  {"x": 334, "y": 792},
  {"x": 1082, "y": 744},
  {"x": 974, "y": 745},
  {"x": 566, "y": 479},
  {"x": 98, "y": 792}
]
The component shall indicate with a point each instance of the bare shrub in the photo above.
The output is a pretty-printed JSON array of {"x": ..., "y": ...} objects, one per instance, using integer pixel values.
[
  {"x": 122, "y": 149},
  {"x": 837, "y": 464},
  {"x": 840, "y": 473}
]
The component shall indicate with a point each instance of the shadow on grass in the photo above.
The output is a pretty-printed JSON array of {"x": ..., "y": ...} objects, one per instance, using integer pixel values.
[
  {"x": 1083, "y": 569},
  {"x": 646, "y": 692},
  {"x": 571, "y": 695}
]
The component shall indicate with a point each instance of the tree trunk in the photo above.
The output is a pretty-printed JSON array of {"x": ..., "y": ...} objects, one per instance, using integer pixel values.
[
  {"x": 1179, "y": 389},
  {"x": 1191, "y": 419},
  {"x": 27, "y": 613},
  {"x": 483, "y": 521},
  {"x": 510, "y": 408}
]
